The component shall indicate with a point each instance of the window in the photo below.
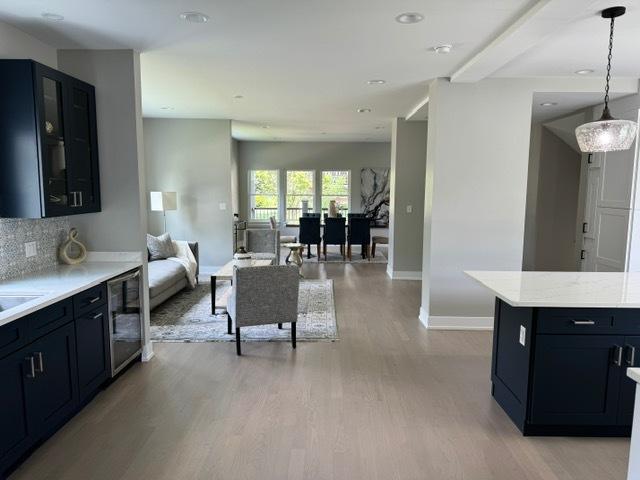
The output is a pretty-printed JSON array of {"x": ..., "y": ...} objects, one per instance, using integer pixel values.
[
  {"x": 300, "y": 187},
  {"x": 264, "y": 194},
  {"x": 336, "y": 186}
]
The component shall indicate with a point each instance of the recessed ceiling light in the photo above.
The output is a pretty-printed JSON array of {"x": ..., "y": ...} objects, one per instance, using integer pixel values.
[
  {"x": 323, "y": 133},
  {"x": 364, "y": 110},
  {"x": 379, "y": 127},
  {"x": 409, "y": 17},
  {"x": 166, "y": 108},
  {"x": 52, "y": 16},
  {"x": 238, "y": 96},
  {"x": 443, "y": 49},
  {"x": 376, "y": 82},
  {"x": 194, "y": 17},
  {"x": 548, "y": 104},
  {"x": 266, "y": 126},
  {"x": 586, "y": 71}
]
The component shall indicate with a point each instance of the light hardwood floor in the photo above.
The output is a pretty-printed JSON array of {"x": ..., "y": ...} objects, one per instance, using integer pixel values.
[{"x": 390, "y": 400}]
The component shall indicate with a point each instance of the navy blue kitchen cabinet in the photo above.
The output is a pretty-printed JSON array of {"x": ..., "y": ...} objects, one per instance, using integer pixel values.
[
  {"x": 52, "y": 362},
  {"x": 562, "y": 371},
  {"x": 48, "y": 143}
]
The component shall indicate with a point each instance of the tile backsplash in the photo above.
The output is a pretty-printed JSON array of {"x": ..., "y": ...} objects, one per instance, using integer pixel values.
[{"x": 48, "y": 233}]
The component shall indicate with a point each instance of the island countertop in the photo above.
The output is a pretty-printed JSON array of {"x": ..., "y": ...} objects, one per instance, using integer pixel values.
[
  {"x": 57, "y": 283},
  {"x": 563, "y": 289}
]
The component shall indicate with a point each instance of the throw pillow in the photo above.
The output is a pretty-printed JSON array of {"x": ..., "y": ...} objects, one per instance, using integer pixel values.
[{"x": 160, "y": 247}]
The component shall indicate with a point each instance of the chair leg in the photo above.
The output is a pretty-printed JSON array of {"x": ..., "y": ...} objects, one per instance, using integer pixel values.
[
  {"x": 373, "y": 249},
  {"x": 238, "y": 349},
  {"x": 343, "y": 251},
  {"x": 324, "y": 248},
  {"x": 368, "y": 250},
  {"x": 349, "y": 251},
  {"x": 279, "y": 326},
  {"x": 318, "y": 250},
  {"x": 293, "y": 334},
  {"x": 229, "y": 332},
  {"x": 308, "y": 251}
]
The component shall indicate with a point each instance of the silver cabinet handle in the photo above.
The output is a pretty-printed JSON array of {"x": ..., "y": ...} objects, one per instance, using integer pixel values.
[
  {"x": 80, "y": 194},
  {"x": 97, "y": 316},
  {"x": 631, "y": 355},
  {"x": 94, "y": 300},
  {"x": 617, "y": 355},
  {"x": 32, "y": 367},
  {"x": 583, "y": 322},
  {"x": 40, "y": 367}
]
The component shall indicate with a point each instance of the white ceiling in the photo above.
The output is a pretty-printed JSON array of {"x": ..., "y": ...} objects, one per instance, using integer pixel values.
[
  {"x": 302, "y": 66},
  {"x": 566, "y": 104}
]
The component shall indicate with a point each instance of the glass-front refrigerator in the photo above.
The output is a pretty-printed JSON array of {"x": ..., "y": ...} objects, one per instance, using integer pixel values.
[{"x": 125, "y": 317}]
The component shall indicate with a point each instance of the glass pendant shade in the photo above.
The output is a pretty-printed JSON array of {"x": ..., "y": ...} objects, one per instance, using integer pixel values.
[{"x": 606, "y": 135}]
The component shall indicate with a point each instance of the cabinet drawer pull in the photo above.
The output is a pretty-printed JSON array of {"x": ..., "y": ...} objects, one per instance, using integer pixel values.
[
  {"x": 32, "y": 368},
  {"x": 97, "y": 316},
  {"x": 94, "y": 300},
  {"x": 583, "y": 322},
  {"x": 40, "y": 367},
  {"x": 630, "y": 357},
  {"x": 617, "y": 355}
]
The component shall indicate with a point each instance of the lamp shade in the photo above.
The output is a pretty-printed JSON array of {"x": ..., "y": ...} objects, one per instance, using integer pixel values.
[
  {"x": 163, "y": 201},
  {"x": 606, "y": 135}
]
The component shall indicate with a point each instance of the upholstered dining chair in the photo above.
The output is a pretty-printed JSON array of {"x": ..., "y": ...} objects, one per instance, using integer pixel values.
[
  {"x": 359, "y": 234},
  {"x": 334, "y": 234},
  {"x": 283, "y": 238},
  {"x": 310, "y": 233},
  {"x": 263, "y": 243},
  {"x": 263, "y": 296}
]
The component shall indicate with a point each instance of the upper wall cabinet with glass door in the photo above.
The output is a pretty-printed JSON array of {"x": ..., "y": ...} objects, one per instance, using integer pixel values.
[{"x": 48, "y": 143}]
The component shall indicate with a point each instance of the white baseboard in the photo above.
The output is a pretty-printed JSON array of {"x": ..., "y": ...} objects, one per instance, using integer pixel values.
[
  {"x": 404, "y": 275},
  {"x": 114, "y": 256},
  {"x": 437, "y": 322},
  {"x": 147, "y": 352}
]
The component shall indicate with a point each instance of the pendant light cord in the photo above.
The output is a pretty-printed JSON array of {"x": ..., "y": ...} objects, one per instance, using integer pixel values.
[{"x": 605, "y": 113}]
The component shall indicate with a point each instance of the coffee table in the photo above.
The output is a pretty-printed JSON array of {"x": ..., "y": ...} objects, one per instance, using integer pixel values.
[{"x": 226, "y": 273}]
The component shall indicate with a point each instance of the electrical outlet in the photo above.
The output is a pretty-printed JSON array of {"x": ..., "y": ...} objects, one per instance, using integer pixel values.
[
  {"x": 31, "y": 249},
  {"x": 223, "y": 206},
  {"x": 409, "y": 208},
  {"x": 523, "y": 335}
]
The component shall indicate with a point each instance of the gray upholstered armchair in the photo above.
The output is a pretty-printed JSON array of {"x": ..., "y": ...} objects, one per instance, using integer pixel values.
[
  {"x": 263, "y": 243},
  {"x": 262, "y": 296}
]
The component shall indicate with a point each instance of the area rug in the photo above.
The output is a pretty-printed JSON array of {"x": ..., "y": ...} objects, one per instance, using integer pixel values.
[
  {"x": 334, "y": 255},
  {"x": 187, "y": 317}
]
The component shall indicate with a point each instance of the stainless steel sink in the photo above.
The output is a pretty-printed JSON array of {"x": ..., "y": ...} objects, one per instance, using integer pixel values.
[{"x": 11, "y": 301}]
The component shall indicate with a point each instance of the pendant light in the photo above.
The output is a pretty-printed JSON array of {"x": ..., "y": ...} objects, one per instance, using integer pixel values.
[{"x": 607, "y": 134}]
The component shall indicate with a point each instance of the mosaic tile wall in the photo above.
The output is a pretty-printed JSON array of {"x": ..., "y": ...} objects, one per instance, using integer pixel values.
[{"x": 47, "y": 232}]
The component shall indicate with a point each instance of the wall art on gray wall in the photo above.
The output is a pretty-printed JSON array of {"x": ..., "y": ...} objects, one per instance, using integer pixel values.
[{"x": 374, "y": 194}]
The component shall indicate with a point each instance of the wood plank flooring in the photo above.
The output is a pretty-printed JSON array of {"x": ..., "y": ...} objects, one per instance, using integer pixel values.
[{"x": 390, "y": 400}]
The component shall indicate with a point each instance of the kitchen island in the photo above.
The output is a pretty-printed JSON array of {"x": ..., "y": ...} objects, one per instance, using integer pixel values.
[{"x": 562, "y": 342}]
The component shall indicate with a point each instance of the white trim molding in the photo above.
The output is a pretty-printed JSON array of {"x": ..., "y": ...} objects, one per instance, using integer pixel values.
[
  {"x": 437, "y": 322},
  {"x": 147, "y": 352},
  {"x": 404, "y": 275}
]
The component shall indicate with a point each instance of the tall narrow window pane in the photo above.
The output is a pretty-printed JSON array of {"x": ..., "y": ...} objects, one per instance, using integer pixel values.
[
  {"x": 336, "y": 185},
  {"x": 300, "y": 188},
  {"x": 263, "y": 194}
]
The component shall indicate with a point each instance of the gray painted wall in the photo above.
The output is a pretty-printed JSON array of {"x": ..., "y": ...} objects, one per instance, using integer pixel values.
[
  {"x": 408, "y": 164},
  {"x": 556, "y": 205},
  {"x": 194, "y": 159},
  {"x": 351, "y": 156}
]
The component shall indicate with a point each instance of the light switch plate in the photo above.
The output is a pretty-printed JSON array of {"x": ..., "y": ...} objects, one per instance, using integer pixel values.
[
  {"x": 223, "y": 206},
  {"x": 409, "y": 208},
  {"x": 523, "y": 335},
  {"x": 30, "y": 249}
]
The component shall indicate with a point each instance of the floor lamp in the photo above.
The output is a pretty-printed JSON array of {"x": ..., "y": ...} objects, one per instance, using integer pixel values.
[{"x": 162, "y": 202}]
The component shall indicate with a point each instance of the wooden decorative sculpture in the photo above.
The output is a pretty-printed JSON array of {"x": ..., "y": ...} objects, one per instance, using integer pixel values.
[{"x": 64, "y": 249}]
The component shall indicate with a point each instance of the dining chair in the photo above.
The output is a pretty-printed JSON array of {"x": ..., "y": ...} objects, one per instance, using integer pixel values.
[
  {"x": 310, "y": 233},
  {"x": 359, "y": 234},
  {"x": 334, "y": 234}
]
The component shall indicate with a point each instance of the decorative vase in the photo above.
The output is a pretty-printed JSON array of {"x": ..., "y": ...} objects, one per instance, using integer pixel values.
[
  {"x": 65, "y": 251},
  {"x": 241, "y": 258},
  {"x": 333, "y": 209}
]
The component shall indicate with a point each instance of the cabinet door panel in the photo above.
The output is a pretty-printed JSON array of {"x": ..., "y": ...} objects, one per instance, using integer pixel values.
[
  {"x": 54, "y": 393},
  {"x": 575, "y": 380},
  {"x": 15, "y": 432},
  {"x": 628, "y": 386},
  {"x": 94, "y": 360}
]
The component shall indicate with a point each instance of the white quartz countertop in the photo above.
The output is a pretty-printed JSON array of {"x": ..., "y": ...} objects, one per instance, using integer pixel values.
[
  {"x": 634, "y": 374},
  {"x": 57, "y": 283},
  {"x": 563, "y": 289}
]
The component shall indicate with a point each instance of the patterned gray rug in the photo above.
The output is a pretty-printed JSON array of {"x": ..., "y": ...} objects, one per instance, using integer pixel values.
[{"x": 187, "y": 317}]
